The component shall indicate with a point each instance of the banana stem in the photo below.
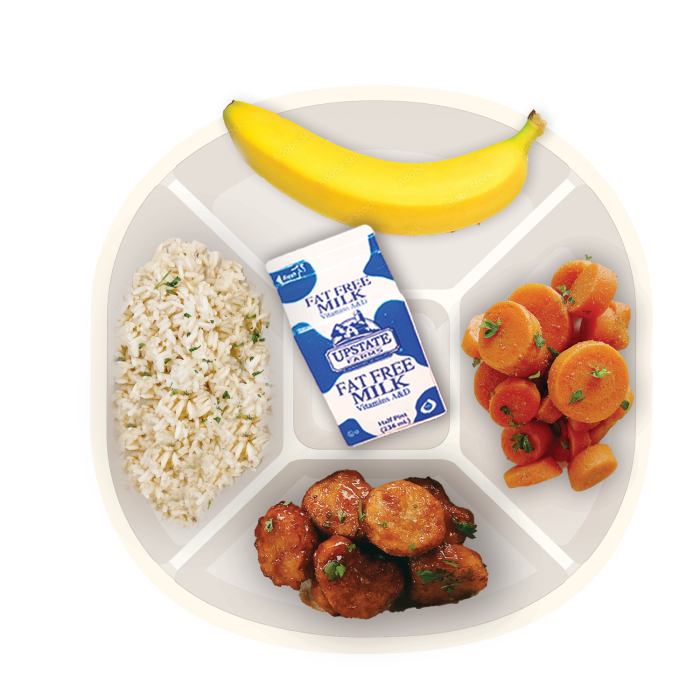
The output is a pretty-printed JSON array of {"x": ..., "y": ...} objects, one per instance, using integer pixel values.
[{"x": 533, "y": 129}]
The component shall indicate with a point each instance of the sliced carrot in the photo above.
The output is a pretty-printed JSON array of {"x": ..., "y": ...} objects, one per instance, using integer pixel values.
[
  {"x": 511, "y": 343},
  {"x": 625, "y": 405},
  {"x": 560, "y": 449},
  {"x": 574, "y": 389},
  {"x": 566, "y": 275},
  {"x": 580, "y": 425},
  {"x": 579, "y": 440},
  {"x": 486, "y": 379},
  {"x": 548, "y": 412},
  {"x": 546, "y": 305},
  {"x": 533, "y": 473},
  {"x": 611, "y": 327},
  {"x": 601, "y": 430},
  {"x": 514, "y": 400},
  {"x": 591, "y": 466},
  {"x": 526, "y": 444},
  {"x": 470, "y": 342},
  {"x": 592, "y": 291}
]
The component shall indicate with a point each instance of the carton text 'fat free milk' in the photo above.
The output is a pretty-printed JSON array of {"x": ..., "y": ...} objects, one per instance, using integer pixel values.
[{"x": 356, "y": 333}]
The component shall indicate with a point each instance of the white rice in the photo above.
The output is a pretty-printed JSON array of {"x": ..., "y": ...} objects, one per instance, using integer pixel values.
[{"x": 193, "y": 396}]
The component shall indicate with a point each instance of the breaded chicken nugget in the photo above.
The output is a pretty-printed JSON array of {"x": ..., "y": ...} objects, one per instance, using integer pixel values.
[
  {"x": 459, "y": 522},
  {"x": 285, "y": 539},
  {"x": 448, "y": 574},
  {"x": 404, "y": 519},
  {"x": 354, "y": 584},
  {"x": 334, "y": 502}
]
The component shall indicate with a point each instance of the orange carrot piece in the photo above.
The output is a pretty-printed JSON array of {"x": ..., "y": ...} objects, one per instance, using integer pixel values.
[
  {"x": 486, "y": 379},
  {"x": 574, "y": 389},
  {"x": 591, "y": 466},
  {"x": 580, "y": 425},
  {"x": 621, "y": 411},
  {"x": 546, "y": 305},
  {"x": 579, "y": 440},
  {"x": 611, "y": 327},
  {"x": 566, "y": 275},
  {"x": 560, "y": 449},
  {"x": 592, "y": 291},
  {"x": 533, "y": 436},
  {"x": 533, "y": 473},
  {"x": 601, "y": 430},
  {"x": 514, "y": 400},
  {"x": 510, "y": 346},
  {"x": 470, "y": 342},
  {"x": 548, "y": 412}
]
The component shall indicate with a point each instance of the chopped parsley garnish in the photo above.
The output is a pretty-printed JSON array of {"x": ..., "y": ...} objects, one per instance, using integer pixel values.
[
  {"x": 382, "y": 524},
  {"x": 539, "y": 340},
  {"x": 625, "y": 405},
  {"x": 226, "y": 395},
  {"x": 448, "y": 588},
  {"x": 207, "y": 361},
  {"x": 255, "y": 374},
  {"x": 145, "y": 374},
  {"x": 255, "y": 337},
  {"x": 131, "y": 425},
  {"x": 564, "y": 444},
  {"x": 577, "y": 396},
  {"x": 451, "y": 563},
  {"x": 166, "y": 360},
  {"x": 468, "y": 529},
  {"x": 491, "y": 328},
  {"x": 286, "y": 503},
  {"x": 195, "y": 348},
  {"x": 600, "y": 373},
  {"x": 188, "y": 316},
  {"x": 211, "y": 321},
  {"x": 412, "y": 546},
  {"x": 553, "y": 352},
  {"x": 217, "y": 419},
  {"x": 251, "y": 316},
  {"x": 556, "y": 428},
  {"x": 120, "y": 359},
  {"x": 326, "y": 525},
  {"x": 341, "y": 516},
  {"x": 506, "y": 410},
  {"x": 534, "y": 376},
  {"x": 588, "y": 257},
  {"x": 360, "y": 514},
  {"x": 564, "y": 291},
  {"x": 513, "y": 424},
  {"x": 351, "y": 547},
  {"x": 476, "y": 362},
  {"x": 161, "y": 281},
  {"x": 333, "y": 569},
  {"x": 269, "y": 525},
  {"x": 521, "y": 442},
  {"x": 141, "y": 345},
  {"x": 428, "y": 576},
  {"x": 209, "y": 505},
  {"x": 237, "y": 345}
]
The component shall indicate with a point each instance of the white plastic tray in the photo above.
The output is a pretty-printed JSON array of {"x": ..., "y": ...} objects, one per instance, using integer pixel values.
[{"x": 541, "y": 544}]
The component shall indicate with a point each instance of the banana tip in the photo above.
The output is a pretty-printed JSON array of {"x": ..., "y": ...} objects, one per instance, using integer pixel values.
[{"x": 537, "y": 119}]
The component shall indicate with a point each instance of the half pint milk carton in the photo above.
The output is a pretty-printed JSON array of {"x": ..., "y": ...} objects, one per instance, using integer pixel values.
[{"x": 357, "y": 335}]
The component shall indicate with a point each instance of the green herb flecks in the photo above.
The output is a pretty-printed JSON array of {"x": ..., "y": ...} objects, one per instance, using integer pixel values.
[
  {"x": 625, "y": 405},
  {"x": 556, "y": 428},
  {"x": 466, "y": 528},
  {"x": 412, "y": 545},
  {"x": 162, "y": 280},
  {"x": 207, "y": 361},
  {"x": 600, "y": 373},
  {"x": 476, "y": 362},
  {"x": 251, "y": 316},
  {"x": 286, "y": 503},
  {"x": 351, "y": 546},
  {"x": 491, "y": 328},
  {"x": 255, "y": 374},
  {"x": 535, "y": 376},
  {"x": 588, "y": 257},
  {"x": 333, "y": 569},
  {"x": 120, "y": 359},
  {"x": 360, "y": 514},
  {"x": 217, "y": 419},
  {"x": 226, "y": 395},
  {"x": 166, "y": 360},
  {"x": 521, "y": 442},
  {"x": 553, "y": 352},
  {"x": 195, "y": 348},
  {"x": 341, "y": 516},
  {"x": 539, "y": 340},
  {"x": 506, "y": 410},
  {"x": 564, "y": 444},
  {"x": 428, "y": 576},
  {"x": 577, "y": 396},
  {"x": 451, "y": 563},
  {"x": 145, "y": 374},
  {"x": 384, "y": 525},
  {"x": 269, "y": 525},
  {"x": 188, "y": 316}
]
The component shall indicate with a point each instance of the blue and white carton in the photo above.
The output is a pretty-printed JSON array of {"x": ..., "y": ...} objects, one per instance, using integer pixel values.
[{"x": 356, "y": 333}]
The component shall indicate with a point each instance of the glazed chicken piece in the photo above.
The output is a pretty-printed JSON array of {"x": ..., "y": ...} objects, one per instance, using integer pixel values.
[
  {"x": 404, "y": 519},
  {"x": 334, "y": 503},
  {"x": 354, "y": 584},
  {"x": 459, "y": 522},
  {"x": 447, "y": 574},
  {"x": 286, "y": 539}
]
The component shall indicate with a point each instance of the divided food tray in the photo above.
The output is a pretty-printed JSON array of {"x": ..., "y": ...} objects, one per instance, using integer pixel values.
[{"x": 533, "y": 540}]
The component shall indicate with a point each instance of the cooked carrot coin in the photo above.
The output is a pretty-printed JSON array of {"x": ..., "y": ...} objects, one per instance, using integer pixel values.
[
  {"x": 592, "y": 291},
  {"x": 625, "y": 405},
  {"x": 486, "y": 379},
  {"x": 546, "y": 306},
  {"x": 526, "y": 444},
  {"x": 578, "y": 441},
  {"x": 588, "y": 382},
  {"x": 548, "y": 412},
  {"x": 580, "y": 425},
  {"x": 611, "y": 327},
  {"x": 591, "y": 466},
  {"x": 560, "y": 449},
  {"x": 470, "y": 342},
  {"x": 533, "y": 473},
  {"x": 601, "y": 430},
  {"x": 566, "y": 275},
  {"x": 508, "y": 339},
  {"x": 515, "y": 400}
]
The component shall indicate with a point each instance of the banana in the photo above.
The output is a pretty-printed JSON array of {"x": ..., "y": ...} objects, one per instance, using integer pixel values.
[{"x": 408, "y": 199}]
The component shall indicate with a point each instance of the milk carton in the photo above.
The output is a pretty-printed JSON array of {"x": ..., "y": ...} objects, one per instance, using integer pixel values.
[{"x": 357, "y": 335}]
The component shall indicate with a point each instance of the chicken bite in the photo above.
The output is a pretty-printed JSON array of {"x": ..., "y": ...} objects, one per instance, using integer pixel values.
[
  {"x": 404, "y": 519},
  {"x": 459, "y": 522},
  {"x": 354, "y": 584},
  {"x": 448, "y": 574},
  {"x": 285, "y": 539},
  {"x": 334, "y": 503}
]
